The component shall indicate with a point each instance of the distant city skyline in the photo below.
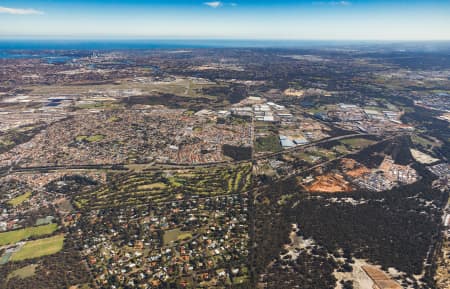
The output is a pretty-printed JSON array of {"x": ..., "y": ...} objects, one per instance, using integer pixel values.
[{"x": 240, "y": 19}]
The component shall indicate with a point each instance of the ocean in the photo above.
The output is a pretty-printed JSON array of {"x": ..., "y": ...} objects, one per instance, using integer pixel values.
[
  {"x": 34, "y": 48},
  {"x": 58, "y": 51},
  {"x": 23, "y": 44}
]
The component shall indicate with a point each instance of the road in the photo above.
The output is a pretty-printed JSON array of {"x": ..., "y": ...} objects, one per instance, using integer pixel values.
[{"x": 167, "y": 166}]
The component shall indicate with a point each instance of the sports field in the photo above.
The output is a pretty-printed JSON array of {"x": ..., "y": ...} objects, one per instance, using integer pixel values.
[
  {"x": 12, "y": 237},
  {"x": 39, "y": 248}
]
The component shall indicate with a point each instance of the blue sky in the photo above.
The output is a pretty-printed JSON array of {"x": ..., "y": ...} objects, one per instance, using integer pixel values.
[{"x": 234, "y": 19}]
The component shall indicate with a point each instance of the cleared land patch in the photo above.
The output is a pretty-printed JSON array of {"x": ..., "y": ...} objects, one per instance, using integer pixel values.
[
  {"x": 354, "y": 169},
  {"x": 331, "y": 183},
  {"x": 381, "y": 280}
]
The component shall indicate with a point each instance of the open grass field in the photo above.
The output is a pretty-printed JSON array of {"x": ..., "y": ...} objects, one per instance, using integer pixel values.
[
  {"x": 22, "y": 273},
  {"x": 422, "y": 158},
  {"x": 175, "y": 235},
  {"x": 422, "y": 141},
  {"x": 12, "y": 237},
  {"x": 20, "y": 199},
  {"x": 91, "y": 138},
  {"x": 268, "y": 144},
  {"x": 39, "y": 248},
  {"x": 307, "y": 157},
  {"x": 240, "y": 280},
  {"x": 357, "y": 143}
]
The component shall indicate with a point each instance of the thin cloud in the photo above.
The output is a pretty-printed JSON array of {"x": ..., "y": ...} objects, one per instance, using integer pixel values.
[
  {"x": 214, "y": 4},
  {"x": 333, "y": 3},
  {"x": 19, "y": 11},
  {"x": 341, "y": 3}
]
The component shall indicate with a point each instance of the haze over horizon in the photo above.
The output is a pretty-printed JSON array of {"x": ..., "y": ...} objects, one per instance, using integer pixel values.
[{"x": 243, "y": 19}]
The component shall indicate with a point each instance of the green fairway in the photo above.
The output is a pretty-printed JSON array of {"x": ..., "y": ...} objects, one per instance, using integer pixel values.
[
  {"x": 92, "y": 138},
  {"x": 422, "y": 141},
  {"x": 39, "y": 248},
  {"x": 12, "y": 237},
  {"x": 147, "y": 187},
  {"x": 20, "y": 199}
]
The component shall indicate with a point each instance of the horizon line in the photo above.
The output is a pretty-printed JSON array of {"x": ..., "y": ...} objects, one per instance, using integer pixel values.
[{"x": 172, "y": 38}]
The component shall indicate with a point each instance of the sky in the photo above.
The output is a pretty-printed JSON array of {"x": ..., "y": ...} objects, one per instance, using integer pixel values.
[{"x": 234, "y": 19}]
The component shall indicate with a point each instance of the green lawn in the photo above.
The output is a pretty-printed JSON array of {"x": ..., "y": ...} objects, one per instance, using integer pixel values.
[
  {"x": 39, "y": 248},
  {"x": 154, "y": 186},
  {"x": 95, "y": 138},
  {"x": 268, "y": 144},
  {"x": 341, "y": 149},
  {"x": 422, "y": 141},
  {"x": 20, "y": 199},
  {"x": 22, "y": 273},
  {"x": 6, "y": 142},
  {"x": 240, "y": 279},
  {"x": 12, "y": 237},
  {"x": 114, "y": 119},
  {"x": 92, "y": 105},
  {"x": 175, "y": 235},
  {"x": 175, "y": 182},
  {"x": 307, "y": 157},
  {"x": 184, "y": 236},
  {"x": 92, "y": 138},
  {"x": 357, "y": 142}
]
